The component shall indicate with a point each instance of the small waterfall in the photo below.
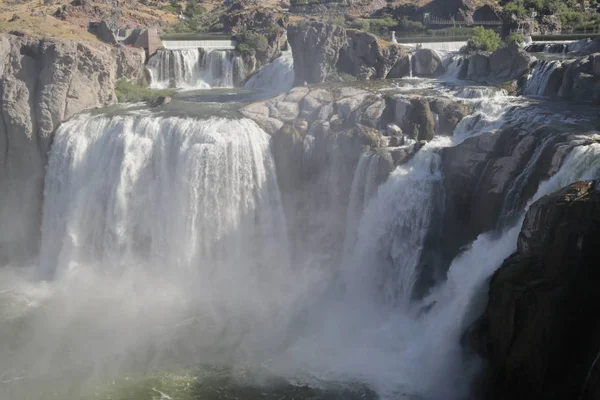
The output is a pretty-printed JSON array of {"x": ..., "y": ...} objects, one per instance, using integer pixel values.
[
  {"x": 454, "y": 67},
  {"x": 276, "y": 77},
  {"x": 537, "y": 82},
  {"x": 439, "y": 46},
  {"x": 196, "y": 69},
  {"x": 513, "y": 201},
  {"x": 410, "y": 65},
  {"x": 549, "y": 47}
]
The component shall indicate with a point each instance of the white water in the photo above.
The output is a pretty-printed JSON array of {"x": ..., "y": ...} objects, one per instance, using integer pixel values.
[
  {"x": 442, "y": 46},
  {"x": 537, "y": 81},
  {"x": 454, "y": 66},
  {"x": 196, "y": 69},
  {"x": 199, "y": 44},
  {"x": 167, "y": 243},
  {"x": 276, "y": 77}
]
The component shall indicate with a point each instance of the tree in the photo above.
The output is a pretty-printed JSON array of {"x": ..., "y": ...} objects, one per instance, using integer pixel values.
[{"x": 483, "y": 40}]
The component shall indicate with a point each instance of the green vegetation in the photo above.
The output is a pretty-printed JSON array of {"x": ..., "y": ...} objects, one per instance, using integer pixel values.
[
  {"x": 571, "y": 13},
  {"x": 128, "y": 92},
  {"x": 514, "y": 38},
  {"x": 483, "y": 40},
  {"x": 250, "y": 42},
  {"x": 361, "y": 24}
]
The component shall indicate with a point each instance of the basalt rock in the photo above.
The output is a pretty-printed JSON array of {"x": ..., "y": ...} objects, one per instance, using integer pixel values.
[
  {"x": 505, "y": 64},
  {"x": 322, "y": 52},
  {"x": 316, "y": 49},
  {"x": 541, "y": 329},
  {"x": 43, "y": 83},
  {"x": 481, "y": 171}
]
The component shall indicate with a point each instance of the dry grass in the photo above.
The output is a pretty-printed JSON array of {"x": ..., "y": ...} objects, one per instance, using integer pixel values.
[{"x": 35, "y": 17}]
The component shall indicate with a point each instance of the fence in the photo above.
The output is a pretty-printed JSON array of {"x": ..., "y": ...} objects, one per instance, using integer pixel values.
[{"x": 452, "y": 22}]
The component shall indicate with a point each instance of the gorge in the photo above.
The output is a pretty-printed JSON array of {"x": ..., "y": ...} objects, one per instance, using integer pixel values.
[{"x": 374, "y": 221}]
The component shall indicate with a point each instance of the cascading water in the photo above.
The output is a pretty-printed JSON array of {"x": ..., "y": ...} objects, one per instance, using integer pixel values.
[
  {"x": 196, "y": 69},
  {"x": 276, "y": 77},
  {"x": 537, "y": 82},
  {"x": 167, "y": 243},
  {"x": 454, "y": 67}
]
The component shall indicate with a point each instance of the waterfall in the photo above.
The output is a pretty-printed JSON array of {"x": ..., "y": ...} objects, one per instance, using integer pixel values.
[
  {"x": 196, "y": 69},
  {"x": 512, "y": 200},
  {"x": 276, "y": 77},
  {"x": 537, "y": 82},
  {"x": 184, "y": 194},
  {"x": 454, "y": 67},
  {"x": 364, "y": 186},
  {"x": 410, "y": 65}
]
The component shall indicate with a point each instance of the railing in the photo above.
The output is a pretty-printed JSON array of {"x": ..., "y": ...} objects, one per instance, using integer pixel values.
[{"x": 442, "y": 21}]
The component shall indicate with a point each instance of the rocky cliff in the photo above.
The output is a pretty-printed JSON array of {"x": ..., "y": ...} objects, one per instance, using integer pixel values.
[
  {"x": 42, "y": 83},
  {"x": 319, "y": 135},
  {"x": 322, "y": 52},
  {"x": 541, "y": 329}
]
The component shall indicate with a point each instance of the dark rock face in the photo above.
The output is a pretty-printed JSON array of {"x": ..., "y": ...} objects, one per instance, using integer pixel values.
[
  {"x": 541, "y": 329},
  {"x": 509, "y": 63},
  {"x": 322, "y": 51},
  {"x": 505, "y": 64},
  {"x": 427, "y": 63},
  {"x": 367, "y": 57},
  {"x": 481, "y": 172},
  {"x": 316, "y": 51},
  {"x": 579, "y": 80}
]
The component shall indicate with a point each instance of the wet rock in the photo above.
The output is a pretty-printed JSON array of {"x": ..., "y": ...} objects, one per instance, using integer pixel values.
[
  {"x": 509, "y": 63},
  {"x": 427, "y": 63},
  {"x": 479, "y": 68},
  {"x": 161, "y": 101},
  {"x": 541, "y": 329}
]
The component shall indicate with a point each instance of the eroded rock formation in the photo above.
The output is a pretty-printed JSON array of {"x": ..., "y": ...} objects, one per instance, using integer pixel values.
[
  {"x": 43, "y": 83},
  {"x": 541, "y": 329},
  {"x": 322, "y": 52}
]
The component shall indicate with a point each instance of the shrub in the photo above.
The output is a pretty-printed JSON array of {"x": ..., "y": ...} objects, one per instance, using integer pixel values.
[
  {"x": 361, "y": 24},
  {"x": 128, "y": 92},
  {"x": 251, "y": 42},
  {"x": 514, "y": 8},
  {"x": 193, "y": 9},
  {"x": 483, "y": 40},
  {"x": 515, "y": 38}
]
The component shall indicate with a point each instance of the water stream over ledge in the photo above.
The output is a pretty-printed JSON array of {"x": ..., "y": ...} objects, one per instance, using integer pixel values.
[{"x": 166, "y": 269}]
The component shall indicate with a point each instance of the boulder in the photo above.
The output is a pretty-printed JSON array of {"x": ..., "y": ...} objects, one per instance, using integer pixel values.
[
  {"x": 479, "y": 68},
  {"x": 365, "y": 56},
  {"x": 509, "y": 63},
  {"x": 540, "y": 331},
  {"x": 427, "y": 63}
]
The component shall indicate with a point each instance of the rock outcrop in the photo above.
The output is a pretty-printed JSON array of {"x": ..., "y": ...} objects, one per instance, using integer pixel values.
[
  {"x": 43, "y": 83},
  {"x": 316, "y": 49},
  {"x": 320, "y": 134},
  {"x": 505, "y": 64},
  {"x": 322, "y": 52},
  {"x": 266, "y": 22},
  {"x": 541, "y": 329},
  {"x": 489, "y": 178},
  {"x": 576, "y": 80}
]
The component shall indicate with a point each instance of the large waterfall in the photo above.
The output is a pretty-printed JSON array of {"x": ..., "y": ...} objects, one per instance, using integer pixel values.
[
  {"x": 171, "y": 244},
  {"x": 196, "y": 69}
]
